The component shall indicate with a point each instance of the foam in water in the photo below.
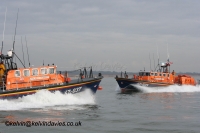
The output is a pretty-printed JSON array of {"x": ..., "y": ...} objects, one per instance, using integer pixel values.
[
  {"x": 172, "y": 88},
  {"x": 45, "y": 98},
  {"x": 117, "y": 88}
]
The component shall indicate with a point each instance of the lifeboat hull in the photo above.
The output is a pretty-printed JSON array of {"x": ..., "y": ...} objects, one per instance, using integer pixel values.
[
  {"x": 129, "y": 85},
  {"x": 70, "y": 88}
]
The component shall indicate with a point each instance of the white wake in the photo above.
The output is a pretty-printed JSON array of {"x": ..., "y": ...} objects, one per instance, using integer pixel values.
[
  {"x": 173, "y": 88},
  {"x": 45, "y": 98}
]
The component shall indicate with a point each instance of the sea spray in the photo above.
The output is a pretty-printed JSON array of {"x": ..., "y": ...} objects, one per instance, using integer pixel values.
[
  {"x": 45, "y": 98},
  {"x": 172, "y": 88},
  {"x": 117, "y": 89}
]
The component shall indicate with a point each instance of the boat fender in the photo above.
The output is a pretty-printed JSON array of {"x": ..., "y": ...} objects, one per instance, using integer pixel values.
[
  {"x": 100, "y": 88},
  {"x": 67, "y": 80}
]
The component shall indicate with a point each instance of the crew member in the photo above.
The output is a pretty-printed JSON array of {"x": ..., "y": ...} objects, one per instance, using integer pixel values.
[
  {"x": 66, "y": 77},
  {"x": 173, "y": 73},
  {"x": 81, "y": 75}
]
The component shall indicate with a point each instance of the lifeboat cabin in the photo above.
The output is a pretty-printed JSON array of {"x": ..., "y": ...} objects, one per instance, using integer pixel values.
[{"x": 33, "y": 77}]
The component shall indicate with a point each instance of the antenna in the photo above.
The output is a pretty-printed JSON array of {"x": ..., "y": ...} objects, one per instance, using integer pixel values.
[
  {"x": 23, "y": 51},
  {"x": 27, "y": 52},
  {"x": 4, "y": 30},
  {"x": 168, "y": 57},
  {"x": 167, "y": 54},
  {"x": 158, "y": 59},
  {"x": 15, "y": 30},
  {"x": 154, "y": 61},
  {"x": 158, "y": 55},
  {"x": 150, "y": 61}
]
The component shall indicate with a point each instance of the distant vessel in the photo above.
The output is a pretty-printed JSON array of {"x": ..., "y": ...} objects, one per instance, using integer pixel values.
[{"x": 159, "y": 78}]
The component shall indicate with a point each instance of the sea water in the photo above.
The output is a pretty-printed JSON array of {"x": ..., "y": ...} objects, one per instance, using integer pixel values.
[{"x": 174, "y": 109}]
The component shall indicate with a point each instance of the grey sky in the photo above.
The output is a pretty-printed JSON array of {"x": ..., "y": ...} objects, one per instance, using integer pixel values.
[{"x": 110, "y": 35}]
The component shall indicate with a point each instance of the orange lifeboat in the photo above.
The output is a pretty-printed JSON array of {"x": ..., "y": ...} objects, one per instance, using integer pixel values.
[
  {"x": 17, "y": 82},
  {"x": 161, "y": 77}
]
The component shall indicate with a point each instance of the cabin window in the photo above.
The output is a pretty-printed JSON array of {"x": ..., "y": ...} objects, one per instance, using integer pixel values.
[
  {"x": 152, "y": 74},
  {"x": 17, "y": 73},
  {"x": 26, "y": 73},
  {"x": 35, "y": 72},
  {"x": 144, "y": 74},
  {"x": 141, "y": 73},
  {"x": 43, "y": 71},
  {"x": 164, "y": 75},
  {"x": 156, "y": 74},
  {"x": 160, "y": 74},
  {"x": 168, "y": 75},
  {"x": 51, "y": 70},
  {"x": 147, "y": 74}
]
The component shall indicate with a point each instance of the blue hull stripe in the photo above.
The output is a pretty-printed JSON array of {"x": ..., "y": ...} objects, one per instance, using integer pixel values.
[{"x": 75, "y": 88}]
